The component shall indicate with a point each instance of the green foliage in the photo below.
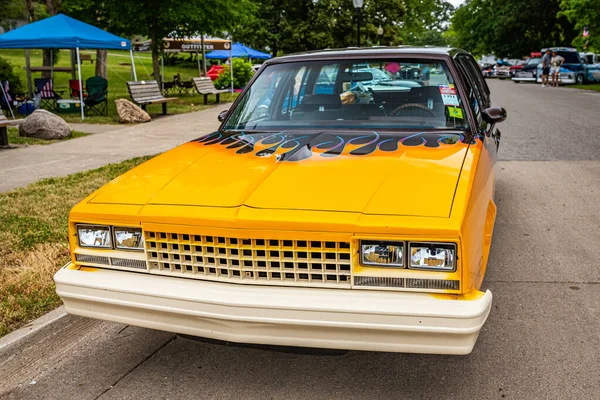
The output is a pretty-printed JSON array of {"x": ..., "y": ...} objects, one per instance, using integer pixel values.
[
  {"x": 7, "y": 72},
  {"x": 242, "y": 73},
  {"x": 288, "y": 26},
  {"x": 583, "y": 13},
  {"x": 158, "y": 19},
  {"x": 510, "y": 28}
]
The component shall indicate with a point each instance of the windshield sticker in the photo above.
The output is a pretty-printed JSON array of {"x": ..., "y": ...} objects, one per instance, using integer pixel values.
[
  {"x": 455, "y": 112},
  {"x": 450, "y": 100},
  {"x": 448, "y": 93},
  {"x": 447, "y": 89}
]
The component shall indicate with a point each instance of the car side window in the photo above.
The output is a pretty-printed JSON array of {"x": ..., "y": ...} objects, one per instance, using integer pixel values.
[
  {"x": 478, "y": 80},
  {"x": 475, "y": 99}
]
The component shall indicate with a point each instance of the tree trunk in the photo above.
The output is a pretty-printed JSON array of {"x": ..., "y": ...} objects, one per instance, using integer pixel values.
[
  {"x": 47, "y": 61},
  {"x": 101, "y": 63},
  {"x": 155, "y": 64},
  {"x": 52, "y": 7}
]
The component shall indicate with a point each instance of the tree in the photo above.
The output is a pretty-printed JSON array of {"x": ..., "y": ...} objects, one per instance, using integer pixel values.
[
  {"x": 510, "y": 28},
  {"x": 158, "y": 19},
  {"x": 583, "y": 14},
  {"x": 289, "y": 26}
]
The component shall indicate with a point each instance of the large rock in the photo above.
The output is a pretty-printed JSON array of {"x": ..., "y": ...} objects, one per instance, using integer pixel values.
[
  {"x": 129, "y": 113},
  {"x": 42, "y": 124}
]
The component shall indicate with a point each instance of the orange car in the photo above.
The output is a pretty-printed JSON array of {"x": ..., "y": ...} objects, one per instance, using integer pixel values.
[{"x": 304, "y": 221}]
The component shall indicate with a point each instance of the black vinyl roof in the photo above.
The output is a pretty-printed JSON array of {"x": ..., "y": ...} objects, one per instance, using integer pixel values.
[{"x": 376, "y": 51}]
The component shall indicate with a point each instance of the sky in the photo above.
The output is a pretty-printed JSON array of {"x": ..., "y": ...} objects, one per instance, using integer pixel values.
[{"x": 456, "y": 3}]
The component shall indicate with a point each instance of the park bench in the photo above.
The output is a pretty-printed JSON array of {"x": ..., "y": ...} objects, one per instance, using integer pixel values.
[
  {"x": 148, "y": 92},
  {"x": 205, "y": 86},
  {"x": 86, "y": 57},
  {"x": 4, "y": 123}
]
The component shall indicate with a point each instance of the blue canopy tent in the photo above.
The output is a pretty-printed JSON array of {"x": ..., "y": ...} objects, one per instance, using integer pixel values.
[
  {"x": 63, "y": 32},
  {"x": 238, "y": 50}
]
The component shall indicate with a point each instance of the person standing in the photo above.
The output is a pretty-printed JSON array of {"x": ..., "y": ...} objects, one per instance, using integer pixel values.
[
  {"x": 546, "y": 60},
  {"x": 555, "y": 63}
]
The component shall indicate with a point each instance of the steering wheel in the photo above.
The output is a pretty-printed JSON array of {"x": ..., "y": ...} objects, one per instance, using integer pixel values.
[{"x": 403, "y": 107}]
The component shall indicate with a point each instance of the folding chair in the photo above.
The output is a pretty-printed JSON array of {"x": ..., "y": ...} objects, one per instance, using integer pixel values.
[
  {"x": 44, "y": 87},
  {"x": 76, "y": 89},
  {"x": 97, "y": 95}
]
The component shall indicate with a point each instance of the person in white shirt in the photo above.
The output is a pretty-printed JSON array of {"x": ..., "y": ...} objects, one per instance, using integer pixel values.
[{"x": 555, "y": 63}]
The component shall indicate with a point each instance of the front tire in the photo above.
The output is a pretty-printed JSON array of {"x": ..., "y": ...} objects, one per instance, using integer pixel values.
[{"x": 579, "y": 80}]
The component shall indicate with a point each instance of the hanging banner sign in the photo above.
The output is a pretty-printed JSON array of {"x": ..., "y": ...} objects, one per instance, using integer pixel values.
[{"x": 191, "y": 45}]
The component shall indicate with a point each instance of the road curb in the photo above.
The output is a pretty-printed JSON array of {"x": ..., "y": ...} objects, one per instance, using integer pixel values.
[{"x": 35, "y": 326}]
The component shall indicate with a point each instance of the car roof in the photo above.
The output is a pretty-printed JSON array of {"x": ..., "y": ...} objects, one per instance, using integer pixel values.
[{"x": 376, "y": 51}]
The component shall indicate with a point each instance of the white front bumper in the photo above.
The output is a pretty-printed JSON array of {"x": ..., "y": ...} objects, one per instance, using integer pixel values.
[{"x": 286, "y": 316}]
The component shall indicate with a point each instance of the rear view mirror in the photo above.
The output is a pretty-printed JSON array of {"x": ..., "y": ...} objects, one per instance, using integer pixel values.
[
  {"x": 222, "y": 115},
  {"x": 494, "y": 115}
]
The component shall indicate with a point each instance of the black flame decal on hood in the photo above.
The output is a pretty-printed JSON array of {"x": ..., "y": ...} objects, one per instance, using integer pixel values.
[{"x": 297, "y": 146}]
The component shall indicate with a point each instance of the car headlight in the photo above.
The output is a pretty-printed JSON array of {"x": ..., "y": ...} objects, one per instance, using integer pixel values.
[
  {"x": 433, "y": 256},
  {"x": 382, "y": 254},
  {"x": 128, "y": 238},
  {"x": 94, "y": 236}
]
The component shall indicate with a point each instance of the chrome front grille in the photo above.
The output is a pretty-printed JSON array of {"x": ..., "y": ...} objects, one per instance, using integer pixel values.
[
  {"x": 92, "y": 259},
  {"x": 111, "y": 261},
  {"x": 266, "y": 261},
  {"x": 441, "y": 285},
  {"x": 127, "y": 263}
]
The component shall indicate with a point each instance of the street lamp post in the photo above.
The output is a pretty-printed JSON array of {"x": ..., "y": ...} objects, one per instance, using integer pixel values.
[
  {"x": 358, "y": 6},
  {"x": 379, "y": 34}
]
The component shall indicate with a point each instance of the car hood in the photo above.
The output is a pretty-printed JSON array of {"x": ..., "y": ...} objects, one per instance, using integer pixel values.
[{"x": 363, "y": 172}]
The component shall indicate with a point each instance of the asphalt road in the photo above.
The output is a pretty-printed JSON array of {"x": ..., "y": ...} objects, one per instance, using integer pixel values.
[{"x": 542, "y": 339}]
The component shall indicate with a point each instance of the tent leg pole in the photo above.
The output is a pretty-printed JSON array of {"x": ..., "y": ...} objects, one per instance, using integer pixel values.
[
  {"x": 231, "y": 64},
  {"x": 162, "y": 74},
  {"x": 133, "y": 65},
  {"x": 203, "y": 56},
  {"x": 80, "y": 84},
  {"x": 28, "y": 68},
  {"x": 6, "y": 99},
  {"x": 52, "y": 67},
  {"x": 199, "y": 67}
]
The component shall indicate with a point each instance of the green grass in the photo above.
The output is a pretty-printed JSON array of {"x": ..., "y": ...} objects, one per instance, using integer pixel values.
[
  {"x": 33, "y": 240},
  {"x": 592, "y": 86},
  {"x": 118, "y": 75},
  {"x": 15, "y": 139}
]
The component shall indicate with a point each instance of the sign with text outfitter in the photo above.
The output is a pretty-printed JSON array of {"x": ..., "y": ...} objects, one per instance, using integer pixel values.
[{"x": 191, "y": 45}]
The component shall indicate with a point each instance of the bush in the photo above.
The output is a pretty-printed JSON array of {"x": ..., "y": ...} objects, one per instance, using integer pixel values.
[
  {"x": 7, "y": 73},
  {"x": 242, "y": 72}
]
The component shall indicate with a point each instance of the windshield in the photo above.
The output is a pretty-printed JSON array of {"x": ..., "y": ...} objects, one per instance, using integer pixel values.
[
  {"x": 534, "y": 61},
  {"x": 361, "y": 94},
  {"x": 571, "y": 57}
]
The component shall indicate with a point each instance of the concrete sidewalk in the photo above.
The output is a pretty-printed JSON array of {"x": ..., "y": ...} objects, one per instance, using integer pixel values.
[{"x": 19, "y": 167}]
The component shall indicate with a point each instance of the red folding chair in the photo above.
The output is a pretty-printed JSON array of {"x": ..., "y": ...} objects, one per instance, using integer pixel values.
[{"x": 76, "y": 89}]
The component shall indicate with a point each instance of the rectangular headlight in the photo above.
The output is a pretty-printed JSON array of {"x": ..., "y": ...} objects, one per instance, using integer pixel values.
[
  {"x": 433, "y": 256},
  {"x": 382, "y": 254},
  {"x": 128, "y": 238},
  {"x": 94, "y": 236}
]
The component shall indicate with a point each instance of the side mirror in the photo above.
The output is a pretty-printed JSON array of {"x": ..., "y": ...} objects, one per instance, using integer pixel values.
[
  {"x": 494, "y": 115},
  {"x": 222, "y": 115}
]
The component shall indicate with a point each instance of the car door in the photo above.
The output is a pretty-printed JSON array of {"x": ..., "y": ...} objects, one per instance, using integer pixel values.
[{"x": 479, "y": 98}]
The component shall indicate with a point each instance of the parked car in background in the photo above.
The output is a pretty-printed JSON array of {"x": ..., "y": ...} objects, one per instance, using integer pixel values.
[
  {"x": 325, "y": 222},
  {"x": 487, "y": 70},
  {"x": 516, "y": 67},
  {"x": 574, "y": 70},
  {"x": 519, "y": 65},
  {"x": 527, "y": 72},
  {"x": 590, "y": 58},
  {"x": 214, "y": 71},
  {"x": 501, "y": 70}
]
